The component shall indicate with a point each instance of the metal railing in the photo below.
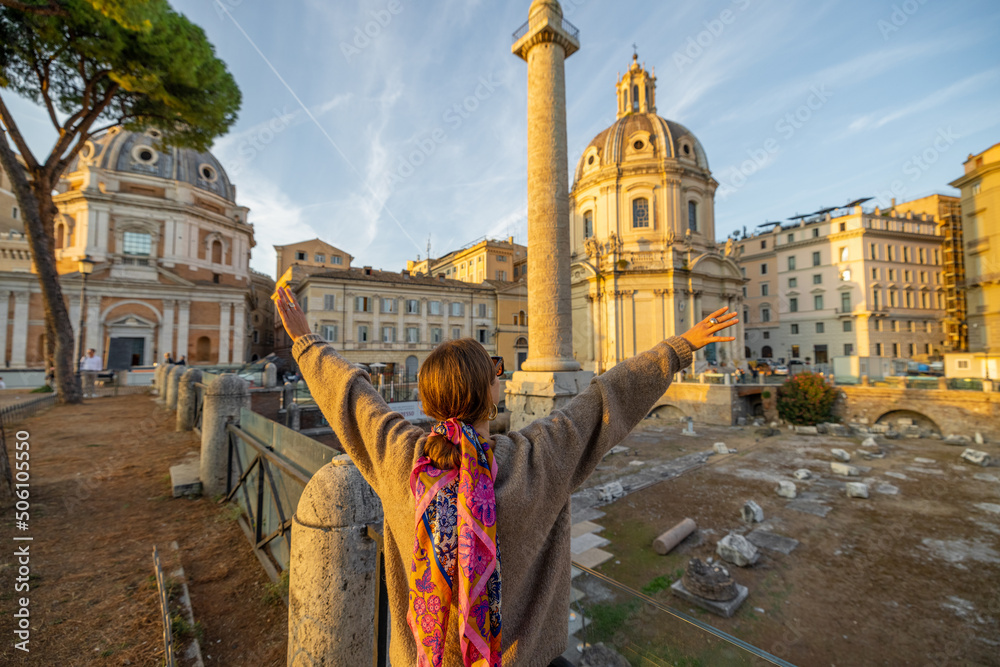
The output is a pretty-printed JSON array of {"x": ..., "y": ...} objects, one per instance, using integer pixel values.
[
  {"x": 566, "y": 27},
  {"x": 164, "y": 601},
  {"x": 15, "y": 412}
]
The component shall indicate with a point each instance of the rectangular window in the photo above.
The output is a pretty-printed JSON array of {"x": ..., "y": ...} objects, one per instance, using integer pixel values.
[
  {"x": 895, "y": 349},
  {"x": 906, "y": 254},
  {"x": 795, "y": 329},
  {"x": 844, "y": 254},
  {"x": 848, "y": 349},
  {"x": 763, "y": 269},
  {"x": 845, "y": 302},
  {"x": 767, "y": 335},
  {"x": 434, "y": 307},
  {"x": 329, "y": 302},
  {"x": 874, "y": 273},
  {"x": 456, "y": 332},
  {"x": 319, "y": 259},
  {"x": 765, "y": 289},
  {"x": 588, "y": 225},
  {"x": 921, "y": 255},
  {"x": 843, "y": 227},
  {"x": 693, "y": 216},
  {"x": 412, "y": 335},
  {"x": 502, "y": 275},
  {"x": 876, "y": 325},
  {"x": 927, "y": 326},
  {"x": 482, "y": 335},
  {"x": 744, "y": 291},
  {"x": 793, "y": 304},
  {"x": 363, "y": 304},
  {"x": 301, "y": 256},
  {"x": 336, "y": 259},
  {"x": 873, "y": 251},
  {"x": 817, "y": 279},
  {"x": 890, "y": 252},
  {"x": 848, "y": 326},
  {"x": 820, "y": 327},
  {"x": 765, "y": 314},
  {"x": 388, "y": 305},
  {"x": 894, "y": 326},
  {"x": 909, "y": 298},
  {"x": 501, "y": 258},
  {"x": 457, "y": 309},
  {"x": 136, "y": 243},
  {"x": 818, "y": 302},
  {"x": 927, "y": 348},
  {"x": 793, "y": 282},
  {"x": 640, "y": 212},
  {"x": 14, "y": 213},
  {"x": 907, "y": 276},
  {"x": 363, "y": 334},
  {"x": 795, "y": 351},
  {"x": 412, "y": 307},
  {"x": 256, "y": 336},
  {"x": 481, "y": 310},
  {"x": 791, "y": 238},
  {"x": 893, "y": 298},
  {"x": 330, "y": 332},
  {"x": 436, "y": 334},
  {"x": 878, "y": 349},
  {"x": 875, "y": 299},
  {"x": 909, "y": 326},
  {"x": 816, "y": 258},
  {"x": 924, "y": 300},
  {"x": 763, "y": 245},
  {"x": 937, "y": 257},
  {"x": 791, "y": 263},
  {"x": 388, "y": 334}
]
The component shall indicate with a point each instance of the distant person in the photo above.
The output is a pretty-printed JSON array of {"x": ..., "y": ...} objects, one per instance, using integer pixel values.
[
  {"x": 90, "y": 365},
  {"x": 167, "y": 359},
  {"x": 458, "y": 501},
  {"x": 50, "y": 376},
  {"x": 182, "y": 361},
  {"x": 3, "y": 385}
]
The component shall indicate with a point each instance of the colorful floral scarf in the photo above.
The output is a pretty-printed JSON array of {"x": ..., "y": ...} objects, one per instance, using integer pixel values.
[{"x": 456, "y": 538}]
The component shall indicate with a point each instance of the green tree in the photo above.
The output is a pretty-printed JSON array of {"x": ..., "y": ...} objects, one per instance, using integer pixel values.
[
  {"x": 806, "y": 398},
  {"x": 92, "y": 65}
]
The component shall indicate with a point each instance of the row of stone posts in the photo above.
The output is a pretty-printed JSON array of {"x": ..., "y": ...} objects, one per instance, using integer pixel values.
[{"x": 332, "y": 587}]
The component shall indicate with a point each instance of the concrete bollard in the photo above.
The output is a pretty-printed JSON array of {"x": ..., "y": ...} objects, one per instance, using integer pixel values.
[
  {"x": 173, "y": 376},
  {"x": 187, "y": 399},
  {"x": 295, "y": 417},
  {"x": 287, "y": 395},
  {"x": 223, "y": 399},
  {"x": 942, "y": 383},
  {"x": 270, "y": 378},
  {"x": 159, "y": 381},
  {"x": 665, "y": 543},
  {"x": 331, "y": 582}
]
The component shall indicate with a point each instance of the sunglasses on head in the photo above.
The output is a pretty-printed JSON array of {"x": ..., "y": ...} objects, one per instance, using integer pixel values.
[{"x": 498, "y": 365}]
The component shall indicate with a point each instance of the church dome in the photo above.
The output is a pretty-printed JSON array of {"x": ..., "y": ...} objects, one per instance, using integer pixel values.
[
  {"x": 136, "y": 153},
  {"x": 638, "y": 133}
]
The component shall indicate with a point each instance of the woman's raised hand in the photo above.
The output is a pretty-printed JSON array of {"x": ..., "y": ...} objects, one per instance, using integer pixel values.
[
  {"x": 291, "y": 313},
  {"x": 704, "y": 332}
]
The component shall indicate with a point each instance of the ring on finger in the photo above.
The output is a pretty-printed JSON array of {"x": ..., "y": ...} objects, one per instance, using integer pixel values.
[{"x": 713, "y": 321}]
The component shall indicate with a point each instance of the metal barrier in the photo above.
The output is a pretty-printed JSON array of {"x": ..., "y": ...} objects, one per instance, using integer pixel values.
[
  {"x": 164, "y": 600},
  {"x": 10, "y": 414}
]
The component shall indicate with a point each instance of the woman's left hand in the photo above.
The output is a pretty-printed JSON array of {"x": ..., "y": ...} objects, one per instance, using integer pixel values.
[
  {"x": 291, "y": 313},
  {"x": 704, "y": 332}
]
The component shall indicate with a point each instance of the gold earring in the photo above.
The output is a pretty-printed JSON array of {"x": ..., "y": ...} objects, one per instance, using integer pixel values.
[{"x": 493, "y": 414}]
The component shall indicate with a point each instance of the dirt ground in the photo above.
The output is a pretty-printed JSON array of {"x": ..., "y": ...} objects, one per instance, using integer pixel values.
[
  {"x": 100, "y": 501},
  {"x": 910, "y": 576}
]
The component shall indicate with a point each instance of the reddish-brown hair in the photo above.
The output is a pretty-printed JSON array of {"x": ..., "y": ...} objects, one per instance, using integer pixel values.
[{"x": 454, "y": 383}]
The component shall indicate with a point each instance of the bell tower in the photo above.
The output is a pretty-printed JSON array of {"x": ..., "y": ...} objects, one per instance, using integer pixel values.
[{"x": 636, "y": 90}]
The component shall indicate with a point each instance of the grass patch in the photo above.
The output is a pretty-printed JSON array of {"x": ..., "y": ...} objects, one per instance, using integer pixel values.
[
  {"x": 662, "y": 582},
  {"x": 230, "y": 512},
  {"x": 277, "y": 592},
  {"x": 606, "y": 620},
  {"x": 44, "y": 389}
]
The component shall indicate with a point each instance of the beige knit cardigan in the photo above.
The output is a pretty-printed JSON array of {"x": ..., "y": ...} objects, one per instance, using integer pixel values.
[{"x": 538, "y": 468}]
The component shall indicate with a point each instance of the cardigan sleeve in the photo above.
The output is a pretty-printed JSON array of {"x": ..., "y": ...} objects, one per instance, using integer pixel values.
[
  {"x": 568, "y": 444},
  {"x": 379, "y": 440}
]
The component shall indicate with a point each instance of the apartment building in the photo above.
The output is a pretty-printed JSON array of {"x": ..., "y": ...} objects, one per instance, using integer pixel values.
[
  {"x": 846, "y": 282},
  {"x": 483, "y": 259}
]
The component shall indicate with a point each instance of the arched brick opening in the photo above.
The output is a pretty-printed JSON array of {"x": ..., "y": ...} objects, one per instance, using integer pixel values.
[
  {"x": 670, "y": 413},
  {"x": 918, "y": 418}
]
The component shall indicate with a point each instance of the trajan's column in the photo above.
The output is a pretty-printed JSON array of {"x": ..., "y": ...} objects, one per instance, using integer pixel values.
[{"x": 550, "y": 375}]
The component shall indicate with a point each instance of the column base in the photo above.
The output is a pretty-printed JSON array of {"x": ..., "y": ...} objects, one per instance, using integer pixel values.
[{"x": 534, "y": 394}]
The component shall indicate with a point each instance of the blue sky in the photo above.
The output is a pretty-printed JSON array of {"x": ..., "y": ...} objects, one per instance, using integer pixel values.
[{"x": 799, "y": 104}]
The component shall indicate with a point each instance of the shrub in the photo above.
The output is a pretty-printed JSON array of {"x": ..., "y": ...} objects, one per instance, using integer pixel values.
[{"x": 807, "y": 399}]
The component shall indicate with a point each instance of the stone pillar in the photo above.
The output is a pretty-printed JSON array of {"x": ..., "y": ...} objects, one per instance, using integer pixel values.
[
  {"x": 294, "y": 417},
  {"x": 183, "y": 322},
  {"x": 287, "y": 395},
  {"x": 74, "y": 319},
  {"x": 94, "y": 335},
  {"x": 19, "y": 339},
  {"x": 187, "y": 397},
  {"x": 224, "y": 398},
  {"x": 160, "y": 381},
  {"x": 550, "y": 376},
  {"x": 173, "y": 377},
  {"x": 239, "y": 333},
  {"x": 4, "y": 316},
  {"x": 270, "y": 378},
  {"x": 166, "y": 343},
  {"x": 331, "y": 583},
  {"x": 225, "y": 315}
]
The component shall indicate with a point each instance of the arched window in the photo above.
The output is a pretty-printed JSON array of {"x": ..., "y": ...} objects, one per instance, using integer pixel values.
[
  {"x": 588, "y": 224},
  {"x": 523, "y": 318},
  {"x": 521, "y": 342},
  {"x": 411, "y": 368},
  {"x": 746, "y": 352},
  {"x": 217, "y": 251},
  {"x": 203, "y": 348},
  {"x": 765, "y": 352},
  {"x": 693, "y": 216},
  {"x": 640, "y": 212},
  {"x": 635, "y": 98}
]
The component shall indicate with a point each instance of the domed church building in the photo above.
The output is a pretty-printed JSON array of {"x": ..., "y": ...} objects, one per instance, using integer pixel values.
[
  {"x": 171, "y": 249},
  {"x": 645, "y": 264}
]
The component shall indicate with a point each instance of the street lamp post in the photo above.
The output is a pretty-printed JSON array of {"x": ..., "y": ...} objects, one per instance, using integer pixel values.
[{"x": 86, "y": 267}]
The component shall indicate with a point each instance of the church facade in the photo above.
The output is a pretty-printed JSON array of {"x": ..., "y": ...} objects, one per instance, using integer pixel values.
[
  {"x": 172, "y": 250},
  {"x": 645, "y": 264}
]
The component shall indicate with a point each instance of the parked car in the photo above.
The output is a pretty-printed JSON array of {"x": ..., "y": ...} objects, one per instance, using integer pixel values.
[{"x": 779, "y": 370}]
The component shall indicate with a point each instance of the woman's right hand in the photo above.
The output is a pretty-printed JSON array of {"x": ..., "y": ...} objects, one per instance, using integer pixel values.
[
  {"x": 704, "y": 332},
  {"x": 292, "y": 317}
]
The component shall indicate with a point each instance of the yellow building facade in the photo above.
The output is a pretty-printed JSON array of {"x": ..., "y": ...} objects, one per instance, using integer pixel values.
[
  {"x": 483, "y": 259},
  {"x": 645, "y": 263}
]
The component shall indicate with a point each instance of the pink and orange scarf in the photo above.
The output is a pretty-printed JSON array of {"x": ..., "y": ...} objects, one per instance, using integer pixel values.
[{"x": 456, "y": 539}]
